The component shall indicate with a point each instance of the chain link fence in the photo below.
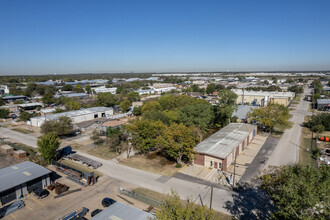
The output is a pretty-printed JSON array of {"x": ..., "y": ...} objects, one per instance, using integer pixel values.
[{"x": 140, "y": 197}]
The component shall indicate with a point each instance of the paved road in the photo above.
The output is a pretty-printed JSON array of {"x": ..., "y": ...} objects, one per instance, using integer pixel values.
[
  {"x": 287, "y": 150},
  {"x": 18, "y": 137}
]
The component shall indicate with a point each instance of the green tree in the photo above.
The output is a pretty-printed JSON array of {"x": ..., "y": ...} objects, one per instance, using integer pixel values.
[
  {"x": 296, "y": 89},
  {"x": 271, "y": 117},
  {"x": 62, "y": 126},
  {"x": 95, "y": 137},
  {"x": 1, "y": 101},
  {"x": 289, "y": 80},
  {"x": 198, "y": 115},
  {"x": 25, "y": 116},
  {"x": 67, "y": 87},
  {"x": 195, "y": 88},
  {"x": 78, "y": 88},
  {"x": 72, "y": 105},
  {"x": 319, "y": 119},
  {"x": 155, "y": 115},
  {"x": 106, "y": 99},
  {"x": 149, "y": 106},
  {"x": 210, "y": 88},
  {"x": 178, "y": 141},
  {"x": 88, "y": 89},
  {"x": 125, "y": 105},
  {"x": 225, "y": 107},
  {"x": 266, "y": 82},
  {"x": 299, "y": 192},
  {"x": 173, "y": 208},
  {"x": 48, "y": 145},
  {"x": 274, "y": 80},
  {"x": 133, "y": 96},
  {"x": 59, "y": 110},
  {"x": 144, "y": 134},
  {"x": 219, "y": 87},
  {"x": 4, "y": 113},
  {"x": 137, "y": 110},
  {"x": 48, "y": 98}
]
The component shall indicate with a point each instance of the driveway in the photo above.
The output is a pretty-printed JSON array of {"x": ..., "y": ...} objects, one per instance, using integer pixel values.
[
  {"x": 287, "y": 149},
  {"x": 18, "y": 137}
]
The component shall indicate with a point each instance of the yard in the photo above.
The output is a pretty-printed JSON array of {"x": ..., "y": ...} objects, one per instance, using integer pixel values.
[
  {"x": 22, "y": 130},
  {"x": 152, "y": 163}
]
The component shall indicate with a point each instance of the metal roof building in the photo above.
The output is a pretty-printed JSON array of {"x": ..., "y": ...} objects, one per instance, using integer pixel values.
[
  {"x": 17, "y": 180},
  {"x": 123, "y": 212},
  {"x": 323, "y": 104},
  {"x": 77, "y": 116},
  {"x": 220, "y": 149}
]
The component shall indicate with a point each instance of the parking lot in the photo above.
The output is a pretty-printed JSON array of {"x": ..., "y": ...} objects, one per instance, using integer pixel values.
[{"x": 89, "y": 197}]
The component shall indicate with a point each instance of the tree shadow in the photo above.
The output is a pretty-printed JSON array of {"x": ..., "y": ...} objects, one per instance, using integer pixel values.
[{"x": 250, "y": 203}]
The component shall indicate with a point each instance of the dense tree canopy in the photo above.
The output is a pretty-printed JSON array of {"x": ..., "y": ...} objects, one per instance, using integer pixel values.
[
  {"x": 210, "y": 88},
  {"x": 271, "y": 116},
  {"x": 125, "y": 105},
  {"x": 299, "y": 192},
  {"x": 296, "y": 89},
  {"x": 199, "y": 115},
  {"x": 106, "y": 99},
  {"x": 225, "y": 107},
  {"x": 4, "y": 112},
  {"x": 48, "y": 98},
  {"x": 319, "y": 119}
]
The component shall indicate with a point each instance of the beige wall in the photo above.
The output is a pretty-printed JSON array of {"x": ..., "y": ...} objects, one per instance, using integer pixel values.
[
  {"x": 208, "y": 159},
  {"x": 250, "y": 99}
]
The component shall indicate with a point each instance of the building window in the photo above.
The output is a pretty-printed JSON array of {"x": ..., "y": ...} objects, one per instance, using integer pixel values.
[
  {"x": 211, "y": 163},
  {"x": 96, "y": 116}
]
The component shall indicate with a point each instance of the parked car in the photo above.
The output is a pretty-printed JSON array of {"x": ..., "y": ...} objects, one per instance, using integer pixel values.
[
  {"x": 106, "y": 202},
  {"x": 40, "y": 193},
  {"x": 95, "y": 212}
]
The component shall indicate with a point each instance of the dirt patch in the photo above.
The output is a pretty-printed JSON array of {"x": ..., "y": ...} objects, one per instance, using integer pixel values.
[{"x": 152, "y": 163}]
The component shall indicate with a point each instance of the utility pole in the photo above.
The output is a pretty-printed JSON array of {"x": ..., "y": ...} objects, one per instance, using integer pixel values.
[
  {"x": 211, "y": 197},
  {"x": 234, "y": 170}
]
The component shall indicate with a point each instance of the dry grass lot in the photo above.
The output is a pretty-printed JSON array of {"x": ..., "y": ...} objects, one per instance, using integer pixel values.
[
  {"x": 305, "y": 156},
  {"x": 161, "y": 197},
  {"x": 103, "y": 152},
  {"x": 22, "y": 130},
  {"x": 152, "y": 163}
]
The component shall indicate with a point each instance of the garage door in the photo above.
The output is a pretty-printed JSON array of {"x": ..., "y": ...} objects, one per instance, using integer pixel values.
[
  {"x": 8, "y": 196},
  {"x": 36, "y": 183}
]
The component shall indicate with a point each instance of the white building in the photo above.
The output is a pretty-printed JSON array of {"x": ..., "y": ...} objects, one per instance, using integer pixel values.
[
  {"x": 4, "y": 89},
  {"x": 165, "y": 89},
  {"x": 104, "y": 89},
  {"x": 76, "y": 116}
]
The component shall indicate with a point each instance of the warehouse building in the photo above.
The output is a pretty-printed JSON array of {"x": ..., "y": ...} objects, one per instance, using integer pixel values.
[
  {"x": 220, "y": 149},
  {"x": 77, "y": 116},
  {"x": 124, "y": 212},
  {"x": 20, "y": 179},
  {"x": 323, "y": 104},
  {"x": 262, "y": 98}
]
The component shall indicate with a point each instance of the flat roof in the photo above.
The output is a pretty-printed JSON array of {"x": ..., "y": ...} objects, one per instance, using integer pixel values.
[
  {"x": 223, "y": 142},
  {"x": 20, "y": 173},
  {"x": 123, "y": 212},
  {"x": 323, "y": 101},
  {"x": 14, "y": 97},
  {"x": 263, "y": 93},
  {"x": 242, "y": 111},
  {"x": 74, "y": 113},
  {"x": 30, "y": 104}
]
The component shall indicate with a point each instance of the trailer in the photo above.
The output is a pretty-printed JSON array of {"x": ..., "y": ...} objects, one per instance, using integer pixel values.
[
  {"x": 75, "y": 214},
  {"x": 11, "y": 208}
]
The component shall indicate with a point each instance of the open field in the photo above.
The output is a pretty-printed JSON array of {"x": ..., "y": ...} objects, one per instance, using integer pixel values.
[
  {"x": 103, "y": 152},
  {"x": 152, "y": 163}
]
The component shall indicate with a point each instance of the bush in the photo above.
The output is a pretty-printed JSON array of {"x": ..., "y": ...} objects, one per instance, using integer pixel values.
[{"x": 178, "y": 165}]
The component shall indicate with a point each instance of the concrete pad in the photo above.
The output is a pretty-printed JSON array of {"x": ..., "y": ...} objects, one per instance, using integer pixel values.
[{"x": 196, "y": 171}]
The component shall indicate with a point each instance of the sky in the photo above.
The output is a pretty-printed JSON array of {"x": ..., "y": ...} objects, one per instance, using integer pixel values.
[{"x": 85, "y": 36}]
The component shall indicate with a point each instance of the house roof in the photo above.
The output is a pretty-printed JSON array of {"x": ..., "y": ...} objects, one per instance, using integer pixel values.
[
  {"x": 30, "y": 104},
  {"x": 123, "y": 212},
  {"x": 242, "y": 111},
  {"x": 323, "y": 101},
  {"x": 223, "y": 142},
  {"x": 20, "y": 173}
]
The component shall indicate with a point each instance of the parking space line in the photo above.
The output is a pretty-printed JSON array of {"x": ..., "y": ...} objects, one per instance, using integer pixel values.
[
  {"x": 37, "y": 201},
  {"x": 29, "y": 207},
  {"x": 13, "y": 216}
]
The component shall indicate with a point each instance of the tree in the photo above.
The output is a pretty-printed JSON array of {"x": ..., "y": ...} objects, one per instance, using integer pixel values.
[
  {"x": 48, "y": 98},
  {"x": 219, "y": 87},
  {"x": 88, "y": 89},
  {"x": 319, "y": 119},
  {"x": 296, "y": 89},
  {"x": 137, "y": 110},
  {"x": 25, "y": 116},
  {"x": 195, "y": 88},
  {"x": 299, "y": 192},
  {"x": 48, "y": 145},
  {"x": 173, "y": 208},
  {"x": 133, "y": 96},
  {"x": 95, "y": 137},
  {"x": 149, "y": 106},
  {"x": 67, "y": 87},
  {"x": 106, "y": 99},
  {"x": 1, "y": 101},
  {"x": 72, "y": 105},
  {"x": 125, "y": 105},
  {"x": 210, "y": 88},
  {"x": 177, "y": 141},
  {"x": 62, "y": 126},
  {"x": 59, "y": 110},
  {"x": 4, "y": 112},
  {"x": 78, "y": 88},
  {"x": 144, "y": 134},
  {"x": 225, "y": 107},
  {"x": 198, "y": 115},
  {"x": 274, "y": 80},
  {"x": 271, "y": 116},
  {"x": 289, "y": 80},
  {"x": 266, "y": 82}
]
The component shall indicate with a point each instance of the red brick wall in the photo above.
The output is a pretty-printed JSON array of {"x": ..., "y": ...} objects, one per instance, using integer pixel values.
[{"x": 200, "y": 159}]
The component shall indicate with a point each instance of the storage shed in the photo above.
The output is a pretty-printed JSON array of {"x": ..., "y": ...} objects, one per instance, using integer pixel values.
[
  {"x": 6, "y": 149},
  {"x": 220, "y": 149},
  {"x": 20, "y": 179}
]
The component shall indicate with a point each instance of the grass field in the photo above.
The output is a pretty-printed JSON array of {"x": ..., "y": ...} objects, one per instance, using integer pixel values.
[
  {"x": 22, "y": 130},
  {"x": 305, "y": 152},
  {"x": 161, "y": 197},
  {"x": 152, "y": 163},
  {"x": 103, "y": 152},
  {"x": 80, "y": 167}
]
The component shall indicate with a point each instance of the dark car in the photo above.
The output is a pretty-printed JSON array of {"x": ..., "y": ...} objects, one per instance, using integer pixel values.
[
  {"x": 106, "y": 202},
  {"x": 40, "y": 193},
  {"x": 95, "y": 212}
]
